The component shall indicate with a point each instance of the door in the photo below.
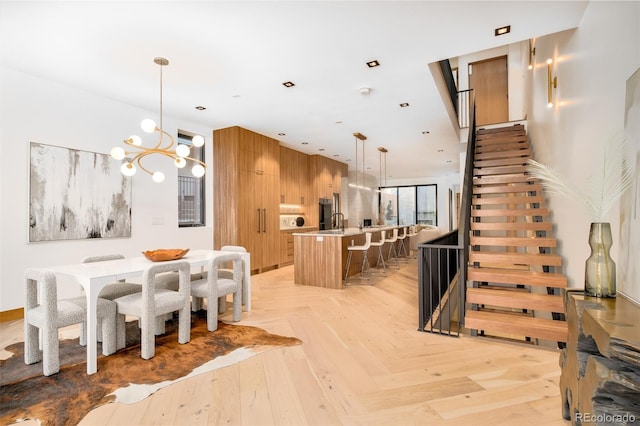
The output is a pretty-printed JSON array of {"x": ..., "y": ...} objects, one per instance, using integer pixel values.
[{"x": 488, "y": 79}]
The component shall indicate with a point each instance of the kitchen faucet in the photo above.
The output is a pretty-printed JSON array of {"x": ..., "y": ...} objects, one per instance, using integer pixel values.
[{"x": 337, "y": 215}]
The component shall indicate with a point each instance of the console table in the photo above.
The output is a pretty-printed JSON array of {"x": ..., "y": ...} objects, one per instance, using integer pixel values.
[{"x": 600, "y": 378}]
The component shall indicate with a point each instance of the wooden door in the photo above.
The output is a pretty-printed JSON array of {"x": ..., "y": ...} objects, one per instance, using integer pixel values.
[
  {"x": 270, "y": 205},
  {"x": 249, "y": 216},
  {"x": 488, "y": 79}
]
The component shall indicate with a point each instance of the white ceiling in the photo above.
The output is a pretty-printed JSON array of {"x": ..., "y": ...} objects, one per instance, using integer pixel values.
[{"x": 232, "y": 58}]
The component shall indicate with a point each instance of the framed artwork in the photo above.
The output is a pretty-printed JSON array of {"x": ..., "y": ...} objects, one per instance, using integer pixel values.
[{"x": 76, "y": 194}]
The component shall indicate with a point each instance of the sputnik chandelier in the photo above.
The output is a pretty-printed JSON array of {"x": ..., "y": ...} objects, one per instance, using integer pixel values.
[{"x": 180, "y": 155}]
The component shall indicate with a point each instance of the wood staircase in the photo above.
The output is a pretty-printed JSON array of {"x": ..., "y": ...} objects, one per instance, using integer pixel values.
[{"x": 515, "y": 291}]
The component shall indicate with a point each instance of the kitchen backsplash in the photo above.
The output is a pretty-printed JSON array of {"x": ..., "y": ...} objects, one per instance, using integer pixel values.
[{"x": 289, "y": 220}]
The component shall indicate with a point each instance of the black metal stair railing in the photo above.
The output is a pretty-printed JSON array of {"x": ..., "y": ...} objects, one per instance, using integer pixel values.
[{"x": 442, "y": 272}]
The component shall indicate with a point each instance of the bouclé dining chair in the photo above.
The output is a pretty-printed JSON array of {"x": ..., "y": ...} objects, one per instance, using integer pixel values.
[
  {"x": 110, "y": 291},
  {"x": 213, "y": 287},
  {"x": 51, "y": 314},
  {"x": 153, "y": 302}
]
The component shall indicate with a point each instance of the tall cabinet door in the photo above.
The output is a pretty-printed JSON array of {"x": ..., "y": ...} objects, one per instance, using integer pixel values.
[{"x": 247, "y": 188}]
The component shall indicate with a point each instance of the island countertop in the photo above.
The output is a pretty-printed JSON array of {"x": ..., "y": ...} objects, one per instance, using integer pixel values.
[{"x": 348, "y": 232}]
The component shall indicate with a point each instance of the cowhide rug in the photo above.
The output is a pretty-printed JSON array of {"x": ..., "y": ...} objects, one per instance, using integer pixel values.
[{"x": 66, "y": 397}]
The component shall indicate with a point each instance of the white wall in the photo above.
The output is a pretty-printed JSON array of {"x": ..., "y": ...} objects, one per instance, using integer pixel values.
[
  {"x": 35, "y": 110},
  {"x": 592, "y": 63}
]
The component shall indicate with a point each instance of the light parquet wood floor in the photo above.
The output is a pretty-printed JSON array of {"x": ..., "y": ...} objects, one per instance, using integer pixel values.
[{"x": 362, "y": 362}]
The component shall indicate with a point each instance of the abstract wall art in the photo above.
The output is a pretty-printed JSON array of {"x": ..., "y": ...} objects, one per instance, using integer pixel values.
[{"x": 76, "y": 194}]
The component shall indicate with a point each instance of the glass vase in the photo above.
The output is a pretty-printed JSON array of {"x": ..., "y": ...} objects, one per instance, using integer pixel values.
[{"x": 600, "y": 269}]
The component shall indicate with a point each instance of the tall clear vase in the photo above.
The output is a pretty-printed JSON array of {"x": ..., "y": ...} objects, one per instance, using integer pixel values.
[{"x": 600, "y": 269}]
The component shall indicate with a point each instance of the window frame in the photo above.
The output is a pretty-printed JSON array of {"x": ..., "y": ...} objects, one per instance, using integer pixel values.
[{"x": 186, "y": 138}]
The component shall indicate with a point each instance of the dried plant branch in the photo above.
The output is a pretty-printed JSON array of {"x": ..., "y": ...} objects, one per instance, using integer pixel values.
[{"x": 606, "y": 186}]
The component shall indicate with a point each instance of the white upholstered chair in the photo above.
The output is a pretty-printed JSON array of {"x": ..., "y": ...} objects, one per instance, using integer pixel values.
[
  {"x": 392, "y": 248},
  {"x": 380, "y": 244},
  {"x": 224, "y": 273},
  {"x": 154, "y": 302},
  {"x": 110, "y": 291},
  {"x": 402, "y": 246},
  {"x": 365, "y": 270},
  {"x": 51, "y": 314},
  {"x": 213, "y": 287}
]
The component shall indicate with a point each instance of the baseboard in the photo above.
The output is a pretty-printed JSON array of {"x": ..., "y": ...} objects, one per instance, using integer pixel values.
[{"x": 12, "y": 315}]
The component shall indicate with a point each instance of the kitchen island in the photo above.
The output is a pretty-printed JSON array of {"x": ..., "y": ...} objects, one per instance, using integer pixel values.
[{"x": 320, "y": 257}]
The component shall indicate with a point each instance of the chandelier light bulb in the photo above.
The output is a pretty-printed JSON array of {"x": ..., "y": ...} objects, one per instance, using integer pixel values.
[
  {"x": 197, "y": 141},
  {"x": 180, "y": 162},
  {"x": 136, "y": 140},
  {"x": 148, "y": 125},
  {"x": 182, "y": 150},
  {"x": 158, "y": 177},
  {"x": 117, "y": 153},
  {"x": 197, "y": 170},
  {"x": 128, "y": 169}
]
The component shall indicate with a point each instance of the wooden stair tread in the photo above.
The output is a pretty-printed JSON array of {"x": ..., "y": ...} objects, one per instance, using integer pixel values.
[
  {"x": 518, "y": 152},
  {"x": 508, "y": 178},
  {"x": 507, "y": 276},
  {"x": 517, "y": 325},
  {"x": 516, "y": 258},
  {"x": 511, "y": 226},
  {"x": 513, "y": 241},
  {"x": 509, "y": 212},
  {"x": 518, "y": 300},
  {"x": 497, "y": 149},
  {"x": 507, "y": 161},
  {"x": 508, "y": 189},
  {"x": 523, "y": 199},
  {"x": 499, "y": 170},
  {"x": 503, "y": 129},
  {"x": 506, "y": 138}
]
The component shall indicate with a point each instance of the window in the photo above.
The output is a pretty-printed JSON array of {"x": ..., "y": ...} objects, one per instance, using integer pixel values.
[
  {"x": 407, "y": 205},
  {"x": 191, "y": 195}
]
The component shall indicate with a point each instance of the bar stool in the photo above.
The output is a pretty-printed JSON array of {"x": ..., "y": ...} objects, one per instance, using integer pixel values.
[
  {"x": 402, "y": 247},
  {"x": 392, "y": 248},
  {"x": 379, "y": 244},
  {"x": 412, "y": 233},
  {"x": 365, "y": 260}
]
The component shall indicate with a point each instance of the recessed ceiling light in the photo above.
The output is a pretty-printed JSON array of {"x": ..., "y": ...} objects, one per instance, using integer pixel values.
[
  {"x": 288, "y": 84},
  {"x": 200, "y": 108},
  {"x": 425, "y": 132},
  {"x": 373, "y": 64},
  {"x": 503, "y": 30},
  {"x": 404, "y": 104},
  {"x": 282, "y": 134}
]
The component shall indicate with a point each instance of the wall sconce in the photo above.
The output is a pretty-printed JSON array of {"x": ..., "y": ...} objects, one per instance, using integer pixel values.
[
  {"x": 532, "y": 52},
  {"x": 552, "y": 83}
]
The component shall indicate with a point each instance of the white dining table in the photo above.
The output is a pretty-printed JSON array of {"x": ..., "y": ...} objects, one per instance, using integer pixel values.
[{"x": 93, "y": 277}]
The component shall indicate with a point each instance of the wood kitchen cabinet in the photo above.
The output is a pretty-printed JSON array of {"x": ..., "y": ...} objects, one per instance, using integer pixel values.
[
  {"x": 294, "y": 176},
  {"x": 247, "y": 194},
  {"x": 326, "y": 175}
]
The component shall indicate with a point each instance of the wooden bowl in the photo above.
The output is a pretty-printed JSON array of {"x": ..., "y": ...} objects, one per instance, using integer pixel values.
[{"x": 162, "y": 255}]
